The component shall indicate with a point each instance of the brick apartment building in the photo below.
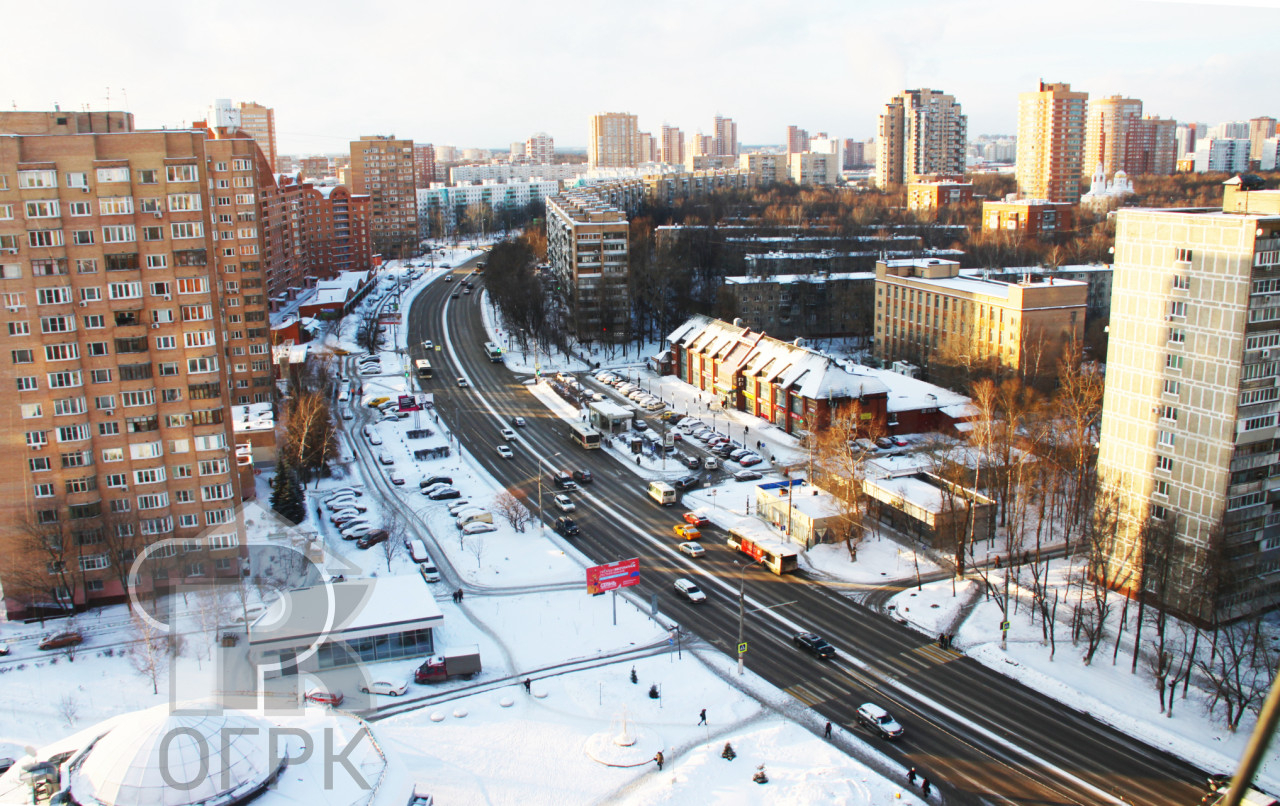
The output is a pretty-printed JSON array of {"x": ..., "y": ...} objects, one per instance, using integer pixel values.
[{"x": 383, "y": 168}]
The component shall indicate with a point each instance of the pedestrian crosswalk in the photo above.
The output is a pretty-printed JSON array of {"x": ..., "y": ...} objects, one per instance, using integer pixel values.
[
  {"x": 934, "y": 654},
  {"x": 815, "y": 692}
]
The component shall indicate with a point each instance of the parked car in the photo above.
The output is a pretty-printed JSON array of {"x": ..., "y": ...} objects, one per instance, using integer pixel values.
[
  {"x": 395, "y": 477},
  {"x": 738, "y": 453},
  {"x": 427, "y": 482},
  {"x": 687, "y": 531},
  {"x": 582, "y": 476},
  {"x": 639, "y": 425},
  {"x": 694, "y": 550},
  {"x": 710, "y": 463},
  {"x": 4, "y": 649},
  {"x": 343, "y": 516},
  {"x": 373, "y": 438},
  {"x": 884, "y": 442},
  {"x": 696, "y": 518},
  {"x": 746, "y": 475},
  {"x": 439, "y": 485},
  {"x": 750, "y": 460},
  {"x": 879, "y": 720},
  {"x": 393, "y": 688},
  {"x": 567, "y": 527},
  {"x": 372, "y": 539},
  {"x": 386, "y": 458},
  {"x": 505, "y": 452},
  {"x": 690, "y": 591},
  {"x": 62, "y": 640},
  {"x": 324, "y": 696},
  {"x": 358, "y": 531},
  {"x": 347, "y": 415},
  {"x": 814, "y": 644},
  {"x": 444, "y": 494},
  {"x": 478, "y": 527},
  {"x": 564, "y": 503}
]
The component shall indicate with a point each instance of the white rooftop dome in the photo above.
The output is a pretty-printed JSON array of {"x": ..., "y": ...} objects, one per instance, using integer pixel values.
[{"x": 217, "y": 757}]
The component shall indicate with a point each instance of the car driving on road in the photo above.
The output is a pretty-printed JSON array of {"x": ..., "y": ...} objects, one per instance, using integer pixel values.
[
  {"x": 693, "y": 549},
  {"x": 814, "y": 644},
  {"x": 690, "y": 591},
  {"x": 564, "y": 503},
  {"x": 505, "y": 452},
  {"x": 567, "y": 527},
  {"x": 879, "y": 720}
]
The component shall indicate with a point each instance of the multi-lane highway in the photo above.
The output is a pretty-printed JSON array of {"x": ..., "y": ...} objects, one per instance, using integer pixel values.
[{"x": 981, "y": 737}]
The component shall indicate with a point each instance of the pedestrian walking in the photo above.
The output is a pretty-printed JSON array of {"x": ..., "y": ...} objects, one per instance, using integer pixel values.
[
  {"x": 911, "y": 776},
  {"x": 461, "y": 594},
  {"x": 925, "y": 787},
  {"x": 455, "y": 597},
  {"x": 702, "y": 717},
  {"x": 942, "y": 640},
  {"x": 658, "y": 758},
  {"x": 527, "y": 686},
  {"x": 826, "y": 732}
]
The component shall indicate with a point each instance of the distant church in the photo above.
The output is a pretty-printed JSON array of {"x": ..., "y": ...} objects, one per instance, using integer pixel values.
[{"x": 1104, "y": 195}]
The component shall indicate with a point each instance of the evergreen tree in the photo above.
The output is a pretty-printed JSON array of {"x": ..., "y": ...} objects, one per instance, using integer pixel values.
[{"x": 286, "y": 494}]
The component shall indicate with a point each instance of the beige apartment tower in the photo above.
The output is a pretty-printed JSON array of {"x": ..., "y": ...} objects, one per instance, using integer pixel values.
[
  {"x": 383, "y": 168},
  {"x": 120, "y": 357},
  {"x": 1189, "y": 431},
  {"x": 587, "y": 242},
  {"x": 615, "y": 141},
  {"x": 922, "y": 134},
  {"x": 260, "y": 122},
  {"x": 1051, "y": 129}
]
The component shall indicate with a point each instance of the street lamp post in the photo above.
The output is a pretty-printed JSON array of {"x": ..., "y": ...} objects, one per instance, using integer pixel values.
[{"x": 742, "y": 612}]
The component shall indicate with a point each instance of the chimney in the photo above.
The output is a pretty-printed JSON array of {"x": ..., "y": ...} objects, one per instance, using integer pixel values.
[{"x": 737, "y": 322}]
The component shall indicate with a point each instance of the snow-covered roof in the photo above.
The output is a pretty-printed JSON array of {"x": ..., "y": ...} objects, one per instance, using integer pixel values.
[
  {"x": 387, "y": 603},
  {"x": 340, "y": 288},
  {"x": 799, "y": 278},
  {"x": 253, "y": 417}
]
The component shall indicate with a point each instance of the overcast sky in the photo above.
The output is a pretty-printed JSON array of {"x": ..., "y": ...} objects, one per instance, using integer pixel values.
[{"x": 491, "y": 72}]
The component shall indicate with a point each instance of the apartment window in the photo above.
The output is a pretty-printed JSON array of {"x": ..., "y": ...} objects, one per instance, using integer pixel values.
[
  {"x": 1172, "y": 361},
  {"x": 42, "y": 209},
  {"x": 124, "y": 290},
  {"x": 153, "y": 234},
  {"x": 115, "y": 205},
  {"x": 122, "y": 261},
  {"x": 1247, "y": 500},
  {"x": 196, "y": 313},
  {"x": 37, "y": 439},
  {"x": 1254, "y": 423},
  {"x": 150, "y": 476},
  {"x": 157, "y": 261},
  {"x": 80, "y": 209},
  {"x": 37, "y": 179},
  {"x": 109, "y": 429},
  {"x": 147, "y": 177},
  {"x": 182, "y": 202},
  {"x": 86, "y": 266},
  {"x": 182, "y": 471},
  {"x": 1183, "y": 256},
  {"x": 113, "y": 174},
  {"x": 1165, "y": 438},
  {"x": 125, "y": 233},
  {"x": 100, "y": 376},
  {"x": 167, "y": 369},
  {"x": 43, "y": 490},
  {"x": 187, "y": 229},
  {"x": 156, "y": 501},
  {"x": 143, "y": 398},
  {"x": 61, "y": 352},
  {"x": 1178, "y": 308},
  {"x": 101, "y": 402},
  {"x": 188, "y": 521},
  {"x": 73, "y": 433},
  {"x": 39, "y": 464},
  {"x": 44, "y": 237},
  {"x": 1169, "y": 413},
  {"x": 182, "y": 173},
  {"x": 84, "y": 485},
  {"x": 69, "y": 405},
  {"x": 151, "y": 205},
  {"x": 58, "y": 295},
  {"x": 19, "y": 329},
  {"x": 193, "y": 285},
  {"x": 53, "y": 324},
  {"x": 113, "y": 455},
  {"x": 27, "y": 383},
  {"x": 196, "y": 366},
  {"x": 166, "y": 342}
]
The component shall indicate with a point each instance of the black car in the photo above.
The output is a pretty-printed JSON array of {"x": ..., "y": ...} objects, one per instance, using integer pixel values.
[
  {"x": 567, "y": 527},
  {"x": 444, "y": 494},
  {"x": 814, "y": 644},
  {"x": 746, "y": 475},
  {"x": 425, "y": 483},
  {"x": 582, "y": 476},
  {"x": 563, "y": 481},
  {"x": 685, "y": 483},
  {"x": 692, "y": 462}
]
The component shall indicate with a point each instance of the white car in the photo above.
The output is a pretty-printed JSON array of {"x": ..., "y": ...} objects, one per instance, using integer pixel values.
[
  {"x": 462, "y": 382},
  {"x": 347, "y": 415},
  {"x": 427, "y": 345},
  {"x": 710, "y": 463},
  {"x": 386, "y": 458},
  {"x": 478, "y": 528},
  {"x": 508, "y": 433},
  {"x": 564, "y": 504},
  {"x": 393, "y": 688},
  {"x": 690, "y": 591},
  {"x": 431, "y": 488},
  {"x": 374, "y": 439},
  {"x": 356, "y": 532},
  {"x": 370, "y": 370},
  {"x": 505, "y": 452},
  {"x": 692, "y": 548}
]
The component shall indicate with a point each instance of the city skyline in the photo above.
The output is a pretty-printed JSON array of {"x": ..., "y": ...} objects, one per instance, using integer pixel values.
[{"x": 829, "y": 69}]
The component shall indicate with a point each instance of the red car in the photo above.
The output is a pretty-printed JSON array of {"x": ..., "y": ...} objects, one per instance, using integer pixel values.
[
  {"x": 697, "y": 519},
  {"x": 324, "y": 696},
  {"x": 62, "y": 639}
]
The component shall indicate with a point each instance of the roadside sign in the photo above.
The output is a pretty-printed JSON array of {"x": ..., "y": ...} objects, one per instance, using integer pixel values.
[
  {"x": 742, "y": 648},
  {"x": 1004, "y": 626},
  {"x": 611, "y": 576}
]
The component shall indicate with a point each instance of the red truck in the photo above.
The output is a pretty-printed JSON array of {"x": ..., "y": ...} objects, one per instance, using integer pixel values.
[{"x": 450, "y": 663}]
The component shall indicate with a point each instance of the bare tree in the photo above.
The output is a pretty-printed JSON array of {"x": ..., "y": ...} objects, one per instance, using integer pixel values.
[
  {"x": 476, "y": 546},
  {"x": 69, "y": 708},
  {"x": 1099, "y": 538},
  {"x": 1240, "y": 671},
  {"x": 397, "y": 534},
  {"x": 840, "y": 467},
  {"x": 149, "y": 654},
  {"x": 310, "y": 440},
  {"x": 510, "y": 504}
]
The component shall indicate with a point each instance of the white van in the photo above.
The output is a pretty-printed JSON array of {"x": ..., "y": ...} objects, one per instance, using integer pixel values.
[
  {"x": 473, "y": 516},
  {"x": 662, "y": 492}
]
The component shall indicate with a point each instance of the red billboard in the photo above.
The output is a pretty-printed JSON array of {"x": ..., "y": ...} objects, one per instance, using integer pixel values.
[{"x": 622, "y": 574}]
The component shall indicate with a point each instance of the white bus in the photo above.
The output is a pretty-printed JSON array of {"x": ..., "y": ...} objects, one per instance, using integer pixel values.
[
  {"x": 662, "y": 492},
  {"x": 585, "y": 436},
  {"x": 423, "y": 368},
  {"x": 493, "y": 351}
]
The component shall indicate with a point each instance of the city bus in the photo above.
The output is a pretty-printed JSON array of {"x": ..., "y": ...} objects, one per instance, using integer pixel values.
[
  {"x": 585, "y": 436},
  {"x": 423, "y": 368},
  {"x": 772, "y": 554},
  {"x": 493, "y": 351}
]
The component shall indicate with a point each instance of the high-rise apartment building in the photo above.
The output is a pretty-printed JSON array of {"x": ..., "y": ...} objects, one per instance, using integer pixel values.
[
  {"x": 314, "y": 168},
  {"x": 615, "y": 141},
  {"x": 1260, "y": 130},
  {"x": 129, "y": 340},
  {"x": 332, "y": 234},
  {"x": 797, "y": 140},
  {"x": 1222, "y": 155},
  {"x": 1119, "y": 138},
  {"x": 587, "y": 249},
  {"x": 702, "y": 145},
  {"x": 764, "y": 169},
  {"x": 540, "y": 149},
  {"x": 726, "y": 137},
  {"x": 424, "y": 164},
  {"x": 922, "y": 134},
  {"x": 1189, "y": 431},
  {"x": 260, "y": 122},
  {"x": 672, "y": 145},
  {"x": 382, "y": 168},
  {"x": 1051, "y": 127},
  {"x": 814, "y": 168}
]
